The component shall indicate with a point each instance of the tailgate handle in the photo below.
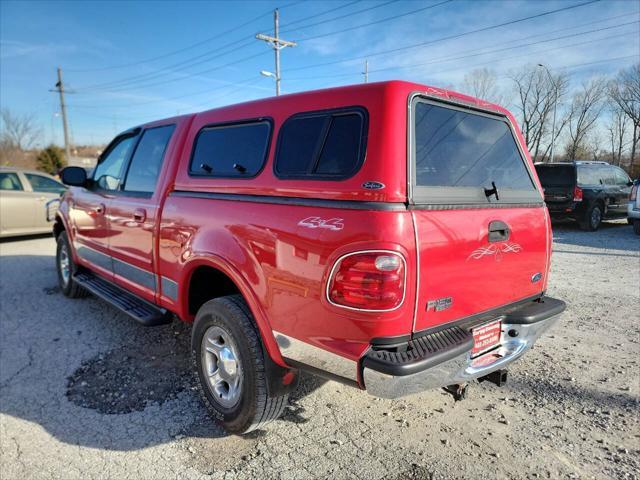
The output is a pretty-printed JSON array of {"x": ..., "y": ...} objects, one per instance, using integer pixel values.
[
  {"x": 498, "y": 231},
  {"x": 139, "y": 215}
]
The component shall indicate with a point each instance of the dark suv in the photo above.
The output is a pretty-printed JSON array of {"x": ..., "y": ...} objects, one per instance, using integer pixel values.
[{"x": 587, "y": 192}]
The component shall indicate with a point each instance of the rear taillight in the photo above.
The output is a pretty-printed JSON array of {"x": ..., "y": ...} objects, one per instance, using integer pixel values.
[
  {"x": 371, "y": 280},
  {"x": 634, "y": 193},
  {"x": 577, "y": 194}
]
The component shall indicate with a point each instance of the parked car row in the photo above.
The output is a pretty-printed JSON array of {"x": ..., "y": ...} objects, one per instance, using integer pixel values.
[{"x": 24, "y": 197}]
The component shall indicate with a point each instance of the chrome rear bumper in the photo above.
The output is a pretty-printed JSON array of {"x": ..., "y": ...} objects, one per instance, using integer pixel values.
[{"x": 461, "y": 368}]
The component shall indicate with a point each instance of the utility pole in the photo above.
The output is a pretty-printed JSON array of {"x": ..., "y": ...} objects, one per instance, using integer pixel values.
[
  {"x": 277, "y": 44},
  {"x": 366, "y": 71},
  {"x": 63, "y": 111}
]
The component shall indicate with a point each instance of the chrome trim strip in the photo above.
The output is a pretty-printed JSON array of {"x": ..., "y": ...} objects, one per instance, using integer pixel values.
[
  {"x": 94, "y": 256},
  {"x": 337, "y": 262},
  {"x": 116, "y": 266},
  {"x": 169, "y": 288},
  {"x": 133, "y": 273},
  {"x": 303, "y": 352}
]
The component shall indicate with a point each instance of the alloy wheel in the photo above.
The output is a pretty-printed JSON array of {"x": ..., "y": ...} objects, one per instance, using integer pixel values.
[{"x": 222, "y": 368}]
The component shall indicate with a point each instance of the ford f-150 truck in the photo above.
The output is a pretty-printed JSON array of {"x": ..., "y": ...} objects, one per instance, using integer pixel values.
[{"x": 392, "y": 236}]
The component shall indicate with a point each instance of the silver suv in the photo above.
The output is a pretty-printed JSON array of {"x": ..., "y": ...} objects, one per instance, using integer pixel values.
[{"x": 633, "y": 208}]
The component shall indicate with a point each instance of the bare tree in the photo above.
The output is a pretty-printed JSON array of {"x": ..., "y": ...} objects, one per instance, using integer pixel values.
[
  {"x": 536, "y": 95},
  {"x": 617, "y": 133},
  {"x": 585, "y": 108},
  {"x": 18, "y": 131},
  {"x": 624, "y": 91},
  {"x": 482, "y": 83}
]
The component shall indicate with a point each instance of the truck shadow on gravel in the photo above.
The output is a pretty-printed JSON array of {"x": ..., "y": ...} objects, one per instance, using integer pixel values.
[{"x": 138, "y": 393}]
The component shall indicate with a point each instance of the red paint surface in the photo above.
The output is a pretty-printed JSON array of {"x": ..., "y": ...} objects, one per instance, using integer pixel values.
[{"x": 281, "y": 267}]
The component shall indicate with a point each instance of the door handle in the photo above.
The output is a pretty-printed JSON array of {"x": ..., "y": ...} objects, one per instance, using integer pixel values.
[
  {"x": 498, "y": 231},
  {"x": 98, "y": 209},
  {"x": 139, "y": 215}
]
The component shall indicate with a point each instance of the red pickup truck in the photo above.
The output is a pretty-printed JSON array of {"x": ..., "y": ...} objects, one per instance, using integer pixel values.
[{"x": 392, "y": 236}]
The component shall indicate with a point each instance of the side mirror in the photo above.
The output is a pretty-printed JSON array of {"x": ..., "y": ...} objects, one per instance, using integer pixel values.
[
  {"x": 74, "y": 176},
  {"x": 630, "y": 183}
]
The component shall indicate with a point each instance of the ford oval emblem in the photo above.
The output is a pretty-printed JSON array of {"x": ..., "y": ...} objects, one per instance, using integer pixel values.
[
  {"x": 373, "y": 185},
  {"x": 536, "y": 277}
]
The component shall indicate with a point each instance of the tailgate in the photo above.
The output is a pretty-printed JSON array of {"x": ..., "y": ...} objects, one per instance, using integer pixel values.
[
  {"x": 462, "y": 273},
  {"x": 479, "y": 218}
]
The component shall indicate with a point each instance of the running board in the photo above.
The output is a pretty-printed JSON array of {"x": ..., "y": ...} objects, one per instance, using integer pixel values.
[{"x": 140, "y": 310}]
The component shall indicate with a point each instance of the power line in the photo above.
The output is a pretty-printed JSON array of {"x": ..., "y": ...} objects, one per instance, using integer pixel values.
[
  {"x": 344, "y": 5},
  {"x": 192, "y": 94},
  {"x": 184, "y": 75},
  {"x": 382, "y": 20},
  {"x": 449, "y": 58},
  {"x": 219, "y": 52},
  {"x": 207, "y": 56},
  {"x": 448, "y": 37},
  {"x": 183, "y": 49},
  {"x": 333, "y": 19}
]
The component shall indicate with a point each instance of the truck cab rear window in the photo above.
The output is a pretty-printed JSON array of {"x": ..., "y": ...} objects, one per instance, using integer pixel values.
[
  {"x": 322, "y": 145},
  {"x": 231, "y": 150},
  {"x": 458, "y": 154}
]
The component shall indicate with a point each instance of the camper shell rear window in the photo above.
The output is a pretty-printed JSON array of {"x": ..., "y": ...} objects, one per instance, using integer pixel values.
[{"x": 458, "y": 155}]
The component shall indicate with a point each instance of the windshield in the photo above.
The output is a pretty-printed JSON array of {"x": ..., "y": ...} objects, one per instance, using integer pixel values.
[{"x": 556, "y": 175}]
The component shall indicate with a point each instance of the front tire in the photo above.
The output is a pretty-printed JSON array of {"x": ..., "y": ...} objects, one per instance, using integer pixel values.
[
  {"x": 66, "y": 268},
  {"x": 229, "y": 362},
  {"x": 592, "y": 219}
]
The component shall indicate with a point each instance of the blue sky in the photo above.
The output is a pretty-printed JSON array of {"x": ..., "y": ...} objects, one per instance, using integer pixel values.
[{"x": 131, "y": 62}]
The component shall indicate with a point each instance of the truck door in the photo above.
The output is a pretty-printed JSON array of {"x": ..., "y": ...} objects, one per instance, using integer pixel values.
[
  {"x": 89, "y": 210},
  {"x": 133, "y": 214}
]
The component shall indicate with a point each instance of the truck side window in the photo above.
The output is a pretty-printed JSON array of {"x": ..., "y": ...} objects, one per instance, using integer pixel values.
[
  {"x": 147, "y": 160},
  {"x": 317, "y": 145},
  {"x": 231, "y": 150},
  {"x": 108, "y": 172}
]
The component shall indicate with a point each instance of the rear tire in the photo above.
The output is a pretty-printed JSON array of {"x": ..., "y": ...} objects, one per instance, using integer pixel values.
[
  {"x": 66, "y": 269},
  {"x": 636, "y": 227},
  {"x": 592, "y": 218},
  {"x": 229, "y": 363}
]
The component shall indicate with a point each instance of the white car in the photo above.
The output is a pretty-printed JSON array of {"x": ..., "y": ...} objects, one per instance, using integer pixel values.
[
  {"x": 25, "y": 196},
  {"x": 633, "y": 208}
]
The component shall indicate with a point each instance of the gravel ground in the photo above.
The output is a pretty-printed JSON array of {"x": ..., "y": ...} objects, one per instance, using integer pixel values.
[{"x": 87, "y": 393}]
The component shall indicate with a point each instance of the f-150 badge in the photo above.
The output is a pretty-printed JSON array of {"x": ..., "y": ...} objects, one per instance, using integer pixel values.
[{"x": 439, "y": 304}]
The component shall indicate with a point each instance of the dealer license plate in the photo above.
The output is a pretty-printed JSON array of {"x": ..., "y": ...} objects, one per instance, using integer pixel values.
[{"x": 485, "y": 337}]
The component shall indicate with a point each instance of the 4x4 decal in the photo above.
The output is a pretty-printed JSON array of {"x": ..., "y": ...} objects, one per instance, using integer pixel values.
[
  {"x": 334, "y": 224},
  {"x": 495, "y": 249}
]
